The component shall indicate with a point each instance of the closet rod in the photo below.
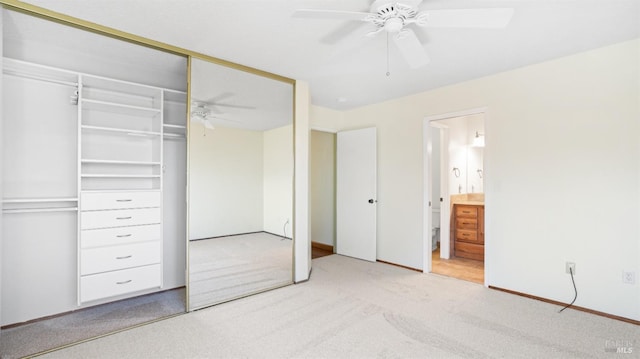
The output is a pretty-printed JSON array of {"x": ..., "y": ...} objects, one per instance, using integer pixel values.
[
  {"x": 37, "y": 210},
  {"x": 39, "y": 78},
  {"x": 39, "y": 200}
]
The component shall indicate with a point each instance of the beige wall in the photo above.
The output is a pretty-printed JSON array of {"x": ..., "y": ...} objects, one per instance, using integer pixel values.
[
  {"x": 226, "y": 182},
  {"x": 278, "y": 181},
  {"x": 322, "y": 190},
  {"x": 561, "y": 174}
]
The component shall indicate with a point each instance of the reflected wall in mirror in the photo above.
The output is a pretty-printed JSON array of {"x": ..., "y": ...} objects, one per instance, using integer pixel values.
[
  {"x": 93, "y": 177},
  {"x": 465, "y": 157},
  {"x": 240, "y": 184}
]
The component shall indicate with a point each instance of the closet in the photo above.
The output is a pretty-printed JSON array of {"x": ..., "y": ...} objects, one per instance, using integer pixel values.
[{"x": 93, "y": 169}]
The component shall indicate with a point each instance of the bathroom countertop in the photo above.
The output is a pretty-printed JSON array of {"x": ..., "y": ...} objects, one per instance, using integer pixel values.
[
  {"x": 476, "y": 203},
  {"x": 468, "y": 198}
]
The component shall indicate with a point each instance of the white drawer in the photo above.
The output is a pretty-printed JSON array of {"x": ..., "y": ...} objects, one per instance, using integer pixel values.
[
  {"x": 119, "y": 235},
  {"x": 98, "y": 260},
  {"x": 90, "y": 201},
  {"x": 110, "y": 284},
  {"x": 119, "y": 218}
]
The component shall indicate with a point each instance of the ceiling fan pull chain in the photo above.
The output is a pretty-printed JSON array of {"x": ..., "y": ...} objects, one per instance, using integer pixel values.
[{"x": 388, "y": 73}]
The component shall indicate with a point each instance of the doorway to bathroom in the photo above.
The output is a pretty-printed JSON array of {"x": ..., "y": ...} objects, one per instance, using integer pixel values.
[{"x": 454, "y": 195}]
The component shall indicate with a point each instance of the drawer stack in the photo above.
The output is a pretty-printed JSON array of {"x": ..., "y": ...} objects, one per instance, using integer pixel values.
[
  {"x": 469, "y": 231},
  {"x": 120, "y": 243}
]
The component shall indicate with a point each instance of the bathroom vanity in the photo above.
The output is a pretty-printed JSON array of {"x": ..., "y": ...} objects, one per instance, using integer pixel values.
[{"x": 468, "y": 230}]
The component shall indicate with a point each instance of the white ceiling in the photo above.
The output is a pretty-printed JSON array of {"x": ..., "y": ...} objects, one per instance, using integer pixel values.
[{"x": 263, "y": 34}]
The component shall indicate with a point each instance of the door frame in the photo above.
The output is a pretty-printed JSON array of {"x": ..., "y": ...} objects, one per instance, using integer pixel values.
[{"x": 427, "y": 182}]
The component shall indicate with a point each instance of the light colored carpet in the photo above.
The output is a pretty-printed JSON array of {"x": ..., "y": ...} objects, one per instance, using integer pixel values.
[
  {"x": 357, "y": 309},
  {"x": 225, "y": 268},
  {"x": 87, "y": 323}
]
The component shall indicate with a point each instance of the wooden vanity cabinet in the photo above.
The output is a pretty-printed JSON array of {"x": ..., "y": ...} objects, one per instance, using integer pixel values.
[{"x": 468, "y": 232}]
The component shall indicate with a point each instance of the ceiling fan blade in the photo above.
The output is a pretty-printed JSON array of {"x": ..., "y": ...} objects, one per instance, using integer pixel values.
[
  {"x": 494, "y": 18},
  {"x": 411, "y": 49},
  {"x": 214, "y": 109},
  {"x": 331, "y": 14},
  {"x": 235, "y": 106},
  {"x": 337, "y": 35},
  {"x": 220, "y": 97}
]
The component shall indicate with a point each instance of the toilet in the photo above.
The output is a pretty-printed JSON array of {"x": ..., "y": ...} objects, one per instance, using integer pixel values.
[
  {"x": 435, "y": 238},
  {"x": 435, "y": 229}
]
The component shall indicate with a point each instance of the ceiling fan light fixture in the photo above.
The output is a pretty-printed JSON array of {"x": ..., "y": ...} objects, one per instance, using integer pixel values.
[{"x": 393, "y": 25}]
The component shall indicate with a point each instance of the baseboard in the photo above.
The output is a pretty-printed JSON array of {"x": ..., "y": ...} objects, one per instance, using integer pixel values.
[
  {"x": 324, "y": 247},
  {"x": 582, "y": 309},
  {"x": 240, "y": 234},
  {"x": 400, "y": 265},
  {"x": 277, "y": 235}
]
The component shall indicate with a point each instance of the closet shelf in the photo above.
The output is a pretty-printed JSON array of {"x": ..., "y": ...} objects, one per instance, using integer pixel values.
[
  {"x": 36, "y": 210},
  {"x": 169, "y": 125},
  {"x": 120, "y": 108},
  {"x": 104, "y": 175},
  {"x": 117, "y": 162},
  {"x": 121, "y": 130},
  {"x": 118, "y": 190},
  {"x": 39, "y": 72},
  {"x": 39, "y": 200}
]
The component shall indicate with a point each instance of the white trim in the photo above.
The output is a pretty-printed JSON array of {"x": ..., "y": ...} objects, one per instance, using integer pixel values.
[{"x": 323, "y": 129}]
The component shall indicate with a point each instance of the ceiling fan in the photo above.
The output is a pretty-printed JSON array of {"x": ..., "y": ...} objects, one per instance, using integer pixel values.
[
  {"x": 205, "y": 111},
  {"x": 398, "y": 19}
]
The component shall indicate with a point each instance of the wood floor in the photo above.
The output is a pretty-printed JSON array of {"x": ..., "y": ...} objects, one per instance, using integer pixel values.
[
  {"x": 461, "y": 268},
  {"x": 320, "y": 250}
]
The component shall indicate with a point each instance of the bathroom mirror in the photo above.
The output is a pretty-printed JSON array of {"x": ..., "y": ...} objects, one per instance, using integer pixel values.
[
  {"x": 475, "y": 169},
  {"x": 240, "y": 198},
  {"x": 464, "y": 155}
]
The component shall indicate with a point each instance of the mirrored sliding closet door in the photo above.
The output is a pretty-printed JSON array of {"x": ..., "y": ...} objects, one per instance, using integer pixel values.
[
  {"x": 240, "y": 183},
  {"x": 93, "y": 184}
]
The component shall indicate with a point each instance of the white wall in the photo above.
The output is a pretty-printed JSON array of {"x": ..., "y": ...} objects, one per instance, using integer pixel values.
[
  {"x": 302, "y": 243},
  {"x": 562, "y": 174},
  {"x": 226, "y": 168},
  {"x": 322, "y": 190},
  {"x": 278, "y": 181}
]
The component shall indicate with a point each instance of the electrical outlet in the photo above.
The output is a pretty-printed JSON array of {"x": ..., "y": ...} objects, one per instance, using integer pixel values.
[
  {"x": 629, "y": 277},
  {"x": 570, "y": 267}
]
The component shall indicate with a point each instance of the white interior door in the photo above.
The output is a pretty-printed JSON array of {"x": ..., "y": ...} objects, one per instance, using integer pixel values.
[{"x": 356, "y": 193}]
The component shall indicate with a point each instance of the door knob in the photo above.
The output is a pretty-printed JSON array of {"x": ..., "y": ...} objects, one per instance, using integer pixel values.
[{"x": 372, "y": 201}]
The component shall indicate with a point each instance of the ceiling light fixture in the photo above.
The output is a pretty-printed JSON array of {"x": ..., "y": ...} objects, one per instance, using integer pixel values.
[{"x": 478, "y": 141}]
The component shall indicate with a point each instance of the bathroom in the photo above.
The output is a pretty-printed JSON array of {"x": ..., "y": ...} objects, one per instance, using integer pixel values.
[{"x": 457, "y": 157}]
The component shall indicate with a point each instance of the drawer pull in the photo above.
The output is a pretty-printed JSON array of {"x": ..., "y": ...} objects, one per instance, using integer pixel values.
[
  {"x": 123, "y": 217},
  {"x": 124, "y": 200},
  {"x": 123, "y": 235},
  {"x": 124, "y": 257},
  {"x": 466, "y": 211},
  {"x": 124, "y": 282}
]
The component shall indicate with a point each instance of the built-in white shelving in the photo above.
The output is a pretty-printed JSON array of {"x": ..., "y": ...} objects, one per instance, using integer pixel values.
[
  {"x": 86, "y": 160},
  {"x": 120, "y": 130},
  {"x": 39, "y": 200}
]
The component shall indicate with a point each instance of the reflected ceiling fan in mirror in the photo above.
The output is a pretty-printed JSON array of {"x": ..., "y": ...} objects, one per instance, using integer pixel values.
[
  {"x": 398, "y": 19},
  {"x": 206, "y": 112}
]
